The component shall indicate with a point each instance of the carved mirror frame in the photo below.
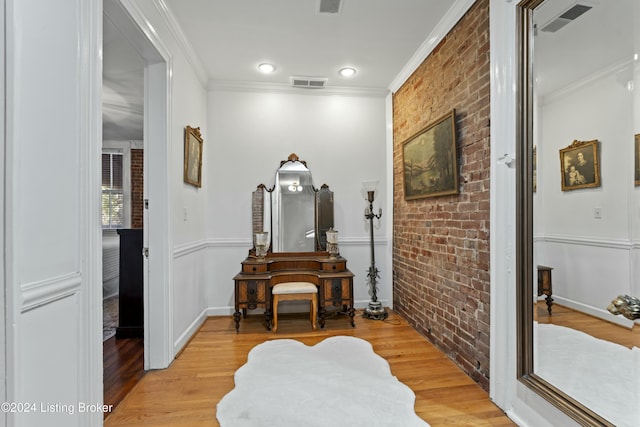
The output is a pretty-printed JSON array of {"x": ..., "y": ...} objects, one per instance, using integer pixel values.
[
  {"x": 524, "y": 228},
  {"x": 262, "y": 210}
]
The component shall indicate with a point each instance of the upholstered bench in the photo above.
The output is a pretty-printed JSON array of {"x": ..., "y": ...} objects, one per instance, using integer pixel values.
[{"x": 295, "y": 291}]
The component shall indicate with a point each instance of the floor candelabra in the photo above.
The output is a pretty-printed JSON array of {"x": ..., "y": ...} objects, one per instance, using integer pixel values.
[{"x": 374, "y": 310}]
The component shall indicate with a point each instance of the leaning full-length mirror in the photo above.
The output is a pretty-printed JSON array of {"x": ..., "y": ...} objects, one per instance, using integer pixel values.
[{"x": 579, "y": 206}]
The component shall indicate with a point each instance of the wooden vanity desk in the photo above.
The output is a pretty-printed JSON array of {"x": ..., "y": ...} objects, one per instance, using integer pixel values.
[{"x": 334, "y": 281}]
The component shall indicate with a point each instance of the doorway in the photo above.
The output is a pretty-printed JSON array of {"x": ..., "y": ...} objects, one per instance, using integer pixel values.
[{"x": 153, "y": 142}]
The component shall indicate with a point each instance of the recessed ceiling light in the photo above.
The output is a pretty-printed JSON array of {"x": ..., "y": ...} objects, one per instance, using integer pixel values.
[
  {"x": 347, "y": 72},
  {"x": 266, "y": 68}
]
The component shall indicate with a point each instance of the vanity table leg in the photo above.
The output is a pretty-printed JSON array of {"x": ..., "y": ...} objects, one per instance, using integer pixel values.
[
  {"x": 321, "y": 316},
  {"x": 352, "y": 313},
  {"x": 236, "y": 317},
  {"x": 267, "y": 319}
]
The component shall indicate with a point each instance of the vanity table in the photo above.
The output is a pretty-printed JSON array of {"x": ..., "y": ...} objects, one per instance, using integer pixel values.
[
  {"x": 292, "y": 219},
  {"x": 334, "y": 281}
]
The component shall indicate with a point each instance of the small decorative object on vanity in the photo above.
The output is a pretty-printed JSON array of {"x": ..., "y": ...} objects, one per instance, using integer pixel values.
[
  {"x": 262, "y": 244},
  {"x": 332, "y": 243},
  {"x": 374, "y": 310}
]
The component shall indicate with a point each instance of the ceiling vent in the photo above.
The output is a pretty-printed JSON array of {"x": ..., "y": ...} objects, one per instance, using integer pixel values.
[
  {"x": 309, "y": 82},
  {"x": 329, "y": 6},
  {"x": 571, "y": 14}
]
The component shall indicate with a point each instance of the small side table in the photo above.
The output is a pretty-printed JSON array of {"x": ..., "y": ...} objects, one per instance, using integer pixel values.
[{"x": 545, "y": 285}]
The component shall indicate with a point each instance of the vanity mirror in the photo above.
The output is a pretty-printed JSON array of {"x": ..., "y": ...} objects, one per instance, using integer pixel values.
[
  {"x": 294, "y": 213},
  {"x": 579, "y": 81}
]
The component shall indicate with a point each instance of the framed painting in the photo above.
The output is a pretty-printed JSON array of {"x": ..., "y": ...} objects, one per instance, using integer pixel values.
[
  {"x": 193, "y": 156},
  {"x": 430, "y": 160},
  {"x": 580, "y": 165},
  {"x": 636, "y": 167}
]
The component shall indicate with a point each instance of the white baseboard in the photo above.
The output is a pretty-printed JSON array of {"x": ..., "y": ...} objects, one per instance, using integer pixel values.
[
  {"x": 593, "y": 311},
  {"x": 191, "y": 330}
]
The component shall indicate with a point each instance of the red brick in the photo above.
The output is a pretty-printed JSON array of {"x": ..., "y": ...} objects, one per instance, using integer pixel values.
[{"x": 441, "y": 245}]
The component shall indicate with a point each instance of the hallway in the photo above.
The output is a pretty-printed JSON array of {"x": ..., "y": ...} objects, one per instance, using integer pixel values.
[{"x": 187, "y": 392}]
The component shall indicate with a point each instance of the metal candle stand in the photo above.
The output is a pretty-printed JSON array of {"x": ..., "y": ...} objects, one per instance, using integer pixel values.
[{"x": 374, "y": 310}]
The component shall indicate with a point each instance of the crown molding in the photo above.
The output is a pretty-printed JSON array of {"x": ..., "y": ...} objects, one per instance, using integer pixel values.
[
  {"x": 446, "y": 24},
  {"x": 186, "y": 46},
  {"x": 233, "y": 86}
]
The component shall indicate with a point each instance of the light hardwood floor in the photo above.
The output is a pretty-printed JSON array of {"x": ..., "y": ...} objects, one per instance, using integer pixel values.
[
  {"x": 187, "y": 392},
  {"x": 593, "y": 326}
]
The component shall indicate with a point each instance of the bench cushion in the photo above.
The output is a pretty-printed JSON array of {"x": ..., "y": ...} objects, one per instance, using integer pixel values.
[{"x": 294, "y": 288}]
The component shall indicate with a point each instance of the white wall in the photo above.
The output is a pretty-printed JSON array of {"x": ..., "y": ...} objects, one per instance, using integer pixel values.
[
  {"x": 52, "y": 229},
  {"x": 185, "y": 204},
  {"x": 342, "y": 138},
  {"x": 592, "y": 257}
]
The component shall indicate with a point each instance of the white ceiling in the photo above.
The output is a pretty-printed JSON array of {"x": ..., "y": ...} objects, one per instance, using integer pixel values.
[
  {"x": 377, "y": 37},
  {"x": 604, "y": 37},
  {"x": 231, "y": 37},
  {"x": 122, "y": 87}
]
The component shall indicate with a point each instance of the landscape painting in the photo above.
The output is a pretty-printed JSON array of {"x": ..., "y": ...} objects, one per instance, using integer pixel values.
[{"x": 430, "y": 160}]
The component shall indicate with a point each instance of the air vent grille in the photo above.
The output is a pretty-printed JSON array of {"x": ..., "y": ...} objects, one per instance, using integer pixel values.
[
  {"x": 329, "y": 6},
  {"x": 309, "y": 82},
  {"x": 569, "y": 15}
]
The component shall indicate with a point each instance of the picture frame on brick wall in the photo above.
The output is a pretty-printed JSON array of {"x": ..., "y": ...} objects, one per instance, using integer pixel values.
[
  {"x": 580, "y": 165},
  {"x": 430, "y": 160},
  {"x": 193, "y": 156}
]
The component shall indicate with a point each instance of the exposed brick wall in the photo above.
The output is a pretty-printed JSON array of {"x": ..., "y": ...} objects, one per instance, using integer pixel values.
[
  {"x": 441, "y": 244},
  {"x": 137, "y": 188},
  {"x": 257, "y": 206}
]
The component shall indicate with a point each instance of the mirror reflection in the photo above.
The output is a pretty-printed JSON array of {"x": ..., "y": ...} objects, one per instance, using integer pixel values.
[
  {"x": 292, "y": 207},
  {"x": 294, "y": 213},
  {"x": 586, "y": 211}
]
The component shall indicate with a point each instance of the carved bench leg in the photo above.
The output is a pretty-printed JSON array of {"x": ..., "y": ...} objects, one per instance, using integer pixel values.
[{"x": 275, "y": 314}]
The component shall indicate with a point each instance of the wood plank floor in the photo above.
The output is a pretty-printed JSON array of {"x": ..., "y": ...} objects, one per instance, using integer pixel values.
[
  {"x": 593, "y": 326},
  {"x": 187, "y": 392},
  {"x": 123, "y": 367}
]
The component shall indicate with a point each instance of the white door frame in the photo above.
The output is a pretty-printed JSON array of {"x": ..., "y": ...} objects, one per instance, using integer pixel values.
[
  {"x": 158, "y": 267},
  {"x": 3, "y": 322}
]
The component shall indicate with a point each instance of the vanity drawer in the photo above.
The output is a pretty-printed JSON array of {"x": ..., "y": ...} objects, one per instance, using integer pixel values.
[
  {"x": 253, "y": 268},
  {"x": 336, "y": 291},
  {"x": 338, "y": 265},
  {"x": 251, "y": 293}
]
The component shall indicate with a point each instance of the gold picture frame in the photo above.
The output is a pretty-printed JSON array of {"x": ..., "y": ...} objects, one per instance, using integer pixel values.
[
  {"x": 636, "y": 167},
  {"x": 580, "y": 165},
  {"x": 430, "y": 160},
  {"x": 193, "y": 156}
]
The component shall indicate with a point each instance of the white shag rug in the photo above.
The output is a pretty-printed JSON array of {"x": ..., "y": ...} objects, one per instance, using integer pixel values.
[
  {"x": 602, "y": 375},
  {"x": 337, "y": 382}
]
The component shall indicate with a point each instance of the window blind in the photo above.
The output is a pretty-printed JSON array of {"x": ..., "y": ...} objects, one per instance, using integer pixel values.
[{"x": 112, "y": 190}]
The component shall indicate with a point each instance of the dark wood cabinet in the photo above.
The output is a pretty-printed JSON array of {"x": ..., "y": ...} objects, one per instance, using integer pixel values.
[
  {"x": 130, "y": 300},
  {"x": 334, "y": 281}
]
